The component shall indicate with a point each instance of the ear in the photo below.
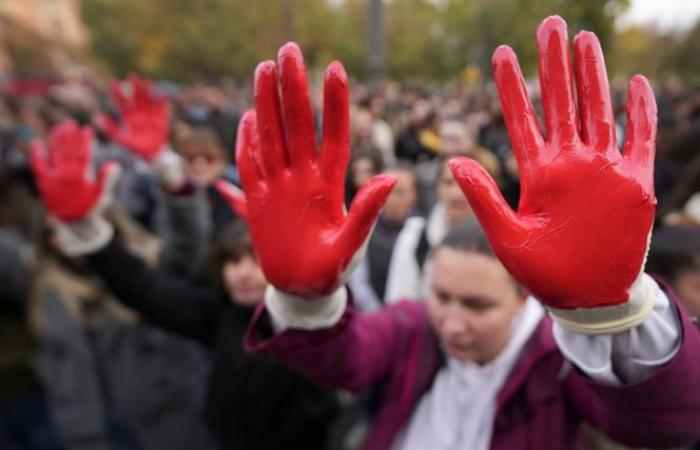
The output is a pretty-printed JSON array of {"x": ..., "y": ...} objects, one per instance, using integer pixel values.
[{"x": 521, "y": 291}]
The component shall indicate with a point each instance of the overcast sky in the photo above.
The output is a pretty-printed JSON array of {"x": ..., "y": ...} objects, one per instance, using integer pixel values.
[{"x": 665, "y": 14}]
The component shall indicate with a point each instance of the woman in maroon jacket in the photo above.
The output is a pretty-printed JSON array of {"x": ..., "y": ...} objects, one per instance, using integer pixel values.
[{"x": 480, "y": 365}]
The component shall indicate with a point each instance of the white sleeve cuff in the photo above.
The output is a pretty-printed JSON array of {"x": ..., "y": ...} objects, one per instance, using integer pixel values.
[
  {"x": 627, "y": 356},
  {"x": 290, "y": 311},
  {"x": 168, "y": 169},
  {"x": 84, "y": 236}
]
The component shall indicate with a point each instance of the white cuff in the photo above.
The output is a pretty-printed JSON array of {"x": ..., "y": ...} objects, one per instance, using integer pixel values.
[
  {"x": 611, "y": 319},
  {"x": 291, "y": 311},
  {"x": 168, "y": 169},
  {"x": 84, "y": 236},
  {"x": 628, "y": 356}
]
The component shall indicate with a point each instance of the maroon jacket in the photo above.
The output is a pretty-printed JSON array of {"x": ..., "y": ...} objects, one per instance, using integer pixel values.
[{"x": 541, "y": 406}]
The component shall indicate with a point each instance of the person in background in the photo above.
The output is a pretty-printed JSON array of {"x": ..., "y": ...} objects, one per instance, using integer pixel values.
[
  {"x": 674, "y": 255},
  {"x": 363, "y": 166},
  {"x": 247, "y": 394},
  {"x": 408, "y": 265},
  {"x": 368, "y": 281},
  {"x": 413, "y": 144},
  {"x": 456, "y": 139}
]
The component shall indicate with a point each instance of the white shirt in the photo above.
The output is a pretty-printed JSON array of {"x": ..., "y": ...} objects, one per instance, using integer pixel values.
[{"x": 405, "y": 279}]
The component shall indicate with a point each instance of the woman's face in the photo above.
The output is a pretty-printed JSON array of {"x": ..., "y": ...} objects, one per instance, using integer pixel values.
[
  {"x": 244, "y": 281},
  {"x": 362, "y": 170},
  {"x": 402, "y": 198},
  {"x": 204, "y": 163},
  {"x": 456, "y": 205},
  {"x": 472, "y": 304}
]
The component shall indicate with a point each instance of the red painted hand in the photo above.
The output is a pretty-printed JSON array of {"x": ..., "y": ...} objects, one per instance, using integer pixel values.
[
  {"x": 66, "y": 185},
  {"x": 580, "y": 235},
  {"x": 145, "y": 119},
  {"x": 303, "y": 237}
]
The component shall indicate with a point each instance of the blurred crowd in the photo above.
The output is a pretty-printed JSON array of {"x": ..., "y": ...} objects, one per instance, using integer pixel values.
[{"x": 93, "y": 356}]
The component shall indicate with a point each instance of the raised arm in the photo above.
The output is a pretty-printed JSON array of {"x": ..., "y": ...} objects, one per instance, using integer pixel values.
[
  {"x": 305, "y": 241},
  {"x": 579, "y": 239},
  {"x": 76, "y": 197}
]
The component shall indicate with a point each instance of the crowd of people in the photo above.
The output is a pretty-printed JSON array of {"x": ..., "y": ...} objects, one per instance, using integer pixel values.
[{"x": 138, "y": 345}]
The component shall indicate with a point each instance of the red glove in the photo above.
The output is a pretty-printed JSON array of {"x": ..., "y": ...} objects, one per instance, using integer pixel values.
[
  {"x": 303, "y": 237},
  {"x": 145, "y": 119},
  {"x": 66, "y": 185},
  {"x": 580, "y": 235}
]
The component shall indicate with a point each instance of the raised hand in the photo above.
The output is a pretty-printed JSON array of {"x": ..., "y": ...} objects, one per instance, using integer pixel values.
[
  {"x": 145, "y": 119},
  {"x": 67, "y": 185},
  {"x": 580, "y": 234},
  {"x": 303, "y": 237}
]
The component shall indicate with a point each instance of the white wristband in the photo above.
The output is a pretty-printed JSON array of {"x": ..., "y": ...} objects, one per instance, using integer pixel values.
[
  {"x": 611, "y": 319},
  {"x": 168, "y": 169},
  {"x": 295, "y": 312},
  {"x": 85, "y": 236}
]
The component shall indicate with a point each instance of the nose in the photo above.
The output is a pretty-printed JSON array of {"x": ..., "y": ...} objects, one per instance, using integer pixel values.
[{"x": 456, "y": 322}]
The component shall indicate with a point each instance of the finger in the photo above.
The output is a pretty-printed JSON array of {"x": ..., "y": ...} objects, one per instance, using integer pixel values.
[
  {"x": 556, "y": 84},
  {"x": 500, "y": 222},
  {"x": 248, "y": 153},
  {"x": 83, "y": 139},
  {"x": 364, "y": 209},
  {"x": 61, "y": 142},
  {"x": 234, "y": 196},
  {"x": 108, "y": 125},
  {"x": 335, "y": 149},
  {"x": 521, "y": 120},
  {"x": 296, "y": 106},
  {"x": 119, "y": 97},
  {"x": 640, "y": 140},
  {"x": 141, "y": 90},
  {"x": 594, "y": 103},
  {"x": 269, "y": 119}
]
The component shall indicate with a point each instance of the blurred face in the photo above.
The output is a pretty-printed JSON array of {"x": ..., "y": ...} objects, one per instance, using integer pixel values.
[
  {"x": 203, "y": 162},
  {"x": 244, "y": 281},
  {"x": 453, "y": 139},
  {"x": 362, "y": 170},
  {"x": 472, "y": 304},
  {"x": 402, "y": 198},
  {"x": 687, "y": 287},
  {"x": 362, "y": 125},
  {"x": 449, "y": 193}
]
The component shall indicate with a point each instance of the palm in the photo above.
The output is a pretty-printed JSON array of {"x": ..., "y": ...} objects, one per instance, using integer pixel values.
[
  {"x": 62, "y": 173},
  {"x": 586, "y": 210},
  {"x": 303, "y": 237},
  {"x": 144, "y": 116}
]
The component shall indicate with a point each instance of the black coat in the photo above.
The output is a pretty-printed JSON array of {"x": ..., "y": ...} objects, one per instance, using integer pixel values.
[{"x": 253, "y": 401}]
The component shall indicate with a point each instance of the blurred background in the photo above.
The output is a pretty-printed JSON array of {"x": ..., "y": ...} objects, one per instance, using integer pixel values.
[
  {"x": 427, "y": 40},
  {"x": 84, "y": 368}
]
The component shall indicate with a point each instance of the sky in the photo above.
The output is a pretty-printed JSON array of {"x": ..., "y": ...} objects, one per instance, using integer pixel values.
[{"x": 667, "y": 15}]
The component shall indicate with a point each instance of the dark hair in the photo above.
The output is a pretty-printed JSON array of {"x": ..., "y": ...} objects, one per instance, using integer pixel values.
[
  {"x": 232, "y": 242},
  {"x": 674, "y": 250},
  {"x": 468, "y": 236}
]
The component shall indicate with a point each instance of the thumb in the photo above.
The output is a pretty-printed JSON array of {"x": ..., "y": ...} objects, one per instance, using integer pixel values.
[
  {"x": 500, "y": 222},
  {"x": 364, "y": 210},
  {"x": 234, "y": 196},
  {"x": 108, "y": 125}
]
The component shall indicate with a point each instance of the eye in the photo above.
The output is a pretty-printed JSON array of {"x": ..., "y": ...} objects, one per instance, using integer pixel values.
[
  {"x": 477, "y": 305},
  {"x": 442, "y": 297}
]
